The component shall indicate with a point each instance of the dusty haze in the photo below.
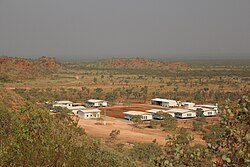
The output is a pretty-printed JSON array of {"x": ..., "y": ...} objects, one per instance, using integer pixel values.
[{"x": 132, "y": 28}]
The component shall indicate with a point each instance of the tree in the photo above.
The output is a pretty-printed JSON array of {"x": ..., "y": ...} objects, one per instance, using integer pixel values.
[
  {"x": 136, "y": 94},
  {"x": 111, "y": 96},
  {"x": 137, "y": 119},
  {"x": 144, "y": 91},
  {"x": 126, "y": 81},
  {"x": 129, "y": 91},
  {"x": 233, "y": 144},
  {"x": 169, "y": 122},
  {"x": 198, "y": 123},
  {"x": 198, "y": 96},
  {"x": 114, "y": 134},
  {"x": 98, "y": 90},
  {"x": 95, "y": 80},
  {"x": 199, "y": 112},
  {"x": 98, "y": 93}
]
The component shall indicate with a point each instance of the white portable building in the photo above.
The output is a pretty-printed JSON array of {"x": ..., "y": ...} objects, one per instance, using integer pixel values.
[
  {"x": 155, "y": 111},
  {"x": 208, "y": 106},
  {"x": 63, "y": 104},
  {"x": 188, "y": 105},
  {"x": 76, "y": 108},
  {"x": 164, "y": 102},
  {"x": 144, "y": 115},
  {"x": 88, "y": 113},
  {"x": 184, "y": 113},
  {"x": 97, "y": 103},
  {"x": 208, "y": 110}
]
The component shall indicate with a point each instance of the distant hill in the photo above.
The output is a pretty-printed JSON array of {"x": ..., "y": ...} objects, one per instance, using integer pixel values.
[
  {"x": 136, "y": 63},
  {"x": 27, "y": 68}
]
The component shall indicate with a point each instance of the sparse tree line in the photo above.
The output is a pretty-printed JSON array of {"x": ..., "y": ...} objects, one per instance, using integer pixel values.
[
  {"x": 132, "y": 93},
  {"x": 193, "y": 71}
]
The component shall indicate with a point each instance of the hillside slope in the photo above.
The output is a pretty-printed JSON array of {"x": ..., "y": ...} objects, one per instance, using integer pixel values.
[
  {"x": 27, "y": 68},
  {"x": 10, "y": 99}
]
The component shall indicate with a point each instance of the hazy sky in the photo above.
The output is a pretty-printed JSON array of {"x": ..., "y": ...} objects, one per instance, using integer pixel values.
[{"x": 124, "y": 28}]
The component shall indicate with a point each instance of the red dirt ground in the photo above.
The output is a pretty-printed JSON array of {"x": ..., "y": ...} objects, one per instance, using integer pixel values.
[
  {"x": 117, "y": 112},
  {"x": 129, "y": 133}
]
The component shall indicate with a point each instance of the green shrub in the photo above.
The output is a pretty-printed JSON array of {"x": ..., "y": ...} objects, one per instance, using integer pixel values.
[
  {"x": 37, "y": 138},
  {"x": 145, "y": 152},
  {"x": 155, "y": 124},
  {"x": 169, "y": 122},
  {"x": 198, "y": 124},
  {"x": 114, "y": 134}
]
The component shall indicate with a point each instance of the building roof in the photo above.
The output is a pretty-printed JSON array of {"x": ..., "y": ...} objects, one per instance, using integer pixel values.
[
  {"x": 77, "y": 104},
  {"x": 208, "y": 110},
  {"x": 76, "y": 107},
  {"x": 64, "y": 102},
  {"x": 180, "y": 110},
  {"x": 207, "y": 106},
  {"x": 183, "y": 103},
  {"x": 163, "y": 100},
  {"x": 156, "y": 110},
  {"x": 95, "y": 101},
  {"x": 193, "y": 108},
  {"x": 136, "y": 113},
  {"x": 90, "y": 110}
]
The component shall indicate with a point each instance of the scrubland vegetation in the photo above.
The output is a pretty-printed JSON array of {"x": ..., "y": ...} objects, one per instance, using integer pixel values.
[
  {"x": 79, "y": 82},
  {"x": 31, "y": 136}
]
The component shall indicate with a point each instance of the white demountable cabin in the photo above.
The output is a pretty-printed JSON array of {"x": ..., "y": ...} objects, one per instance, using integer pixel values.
[
  {"x": 155, "y": 111},
  {"x": 184, "y": 113},
  {"x": 63, "y": 104},
  {"x": 76, "y": 108},
  {"x": 164, "y": 102},
  {"x": 188, "y": 105},
  {"x": 144, "y": 115},
  {"x": 208, "y": 110},
  {"x": 88, "y": 113},
  {"x": 211, "y": 107},
  {"x": 97, "y": 103}
]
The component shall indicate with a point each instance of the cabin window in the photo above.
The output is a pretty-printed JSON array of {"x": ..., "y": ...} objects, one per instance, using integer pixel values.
[
  {"x": 87, "y": 115},
  {"x": 91, "y": 115},
  {"x": 189, "y": 115},
  {"x": 210, "y": 113}
]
